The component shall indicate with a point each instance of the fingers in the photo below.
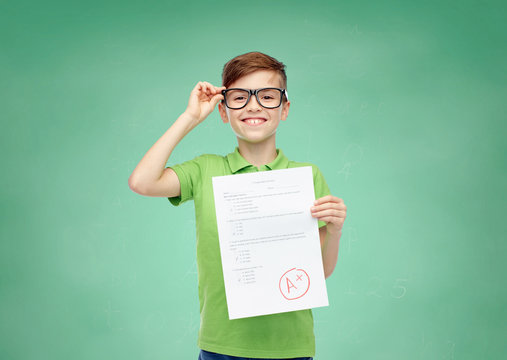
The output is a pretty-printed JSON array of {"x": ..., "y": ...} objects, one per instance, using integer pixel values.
[
  {"x": 329, "y": 213},
  {"x": 208, "y": 89},
  {"x": 330, "y": 209},
  {"x": 337, "y": 205},
  {"x": 334, "y": 221},
  {"x": 216, "y": 99},
  {"x": 334, "y": 218},
  {"x": 328, "y": 198}
]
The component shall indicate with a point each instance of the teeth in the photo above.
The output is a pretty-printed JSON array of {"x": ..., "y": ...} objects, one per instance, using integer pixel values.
[{"x": 254, "y": 121}]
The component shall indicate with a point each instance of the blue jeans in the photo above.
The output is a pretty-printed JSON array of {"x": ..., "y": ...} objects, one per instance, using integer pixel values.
[{"x": 206, "y": 355}]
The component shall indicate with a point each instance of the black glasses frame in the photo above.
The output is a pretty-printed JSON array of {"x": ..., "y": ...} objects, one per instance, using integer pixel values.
[{"x": 255, "y": 92}]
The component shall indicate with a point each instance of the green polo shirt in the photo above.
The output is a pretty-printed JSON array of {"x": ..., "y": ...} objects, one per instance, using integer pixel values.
[{"x": 284, "y": 335}]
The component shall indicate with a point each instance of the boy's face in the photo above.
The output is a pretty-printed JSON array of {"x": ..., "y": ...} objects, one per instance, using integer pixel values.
[{"x": 254, "y": 123}]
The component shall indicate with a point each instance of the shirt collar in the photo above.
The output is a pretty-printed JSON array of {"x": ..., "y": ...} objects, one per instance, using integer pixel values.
[{"x": 238, "y": 162}]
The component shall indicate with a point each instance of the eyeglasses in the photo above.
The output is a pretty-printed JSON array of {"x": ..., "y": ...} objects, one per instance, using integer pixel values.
[{"x": 268, "y": 98}]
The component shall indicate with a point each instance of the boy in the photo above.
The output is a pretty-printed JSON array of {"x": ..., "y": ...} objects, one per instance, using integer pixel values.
[{"x": 253, "y": 99}]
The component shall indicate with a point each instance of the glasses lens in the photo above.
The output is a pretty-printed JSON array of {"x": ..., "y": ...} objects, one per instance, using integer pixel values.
[
  {"x": 236, "y": 98},
  {"x": 270, "y": 98}
]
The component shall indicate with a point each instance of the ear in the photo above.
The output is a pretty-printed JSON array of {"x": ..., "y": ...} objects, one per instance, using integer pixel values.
[
  {"x": 223, "y": 112},
  {"x": 285, "y": 110}
]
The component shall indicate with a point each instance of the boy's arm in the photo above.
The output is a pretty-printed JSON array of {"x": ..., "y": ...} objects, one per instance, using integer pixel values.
[
  {"x": 333, "y": 211},
  {"x": 329, "y": 244},
  {"x": 150, "y": 177}
]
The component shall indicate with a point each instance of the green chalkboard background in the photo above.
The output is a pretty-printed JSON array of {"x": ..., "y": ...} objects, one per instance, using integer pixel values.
[{"x": 401, "y": 105}]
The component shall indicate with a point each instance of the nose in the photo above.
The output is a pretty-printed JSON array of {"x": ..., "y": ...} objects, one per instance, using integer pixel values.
[{"x": 253, "y": 104}]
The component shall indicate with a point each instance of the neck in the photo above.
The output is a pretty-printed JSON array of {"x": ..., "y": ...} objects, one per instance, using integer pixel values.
[{"x": 258, "y": 154}]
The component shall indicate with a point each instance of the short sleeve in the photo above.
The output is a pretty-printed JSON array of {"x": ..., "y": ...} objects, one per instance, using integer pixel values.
[
  {"x": 320, "y": 187},
  {"x": 189, "y": 175}
]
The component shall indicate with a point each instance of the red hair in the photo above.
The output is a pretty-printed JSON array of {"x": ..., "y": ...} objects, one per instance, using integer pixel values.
[{"x": 247, "y": 63}]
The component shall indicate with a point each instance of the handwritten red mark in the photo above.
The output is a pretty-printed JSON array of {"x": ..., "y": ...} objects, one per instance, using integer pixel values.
[{"x": 294, "y": 284}]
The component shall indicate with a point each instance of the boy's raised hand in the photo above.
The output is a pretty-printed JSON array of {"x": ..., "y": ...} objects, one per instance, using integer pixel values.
[
  {"x": 332, "y": 210},
  {"x": 203, "y": 99}
]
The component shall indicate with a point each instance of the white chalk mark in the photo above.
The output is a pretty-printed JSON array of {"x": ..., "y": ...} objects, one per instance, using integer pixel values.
[
  {"x": 355, "y": 30},
  {"x": 401, "y": 290},
  {"x": 351, "y": 238},
  {"x": 352, "y": 156},
  {"x": 377, "y": 286},
  {"x": 192, "y": 270},
  {"x": 451, "y": 349},
  {"x": 191, "y": 327},
  {"x": 345, "y": 170},
  {"x": 109, "y": 316}
]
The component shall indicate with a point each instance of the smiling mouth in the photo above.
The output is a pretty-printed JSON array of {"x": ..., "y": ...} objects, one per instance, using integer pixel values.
[{"x": 254, "y": 121}]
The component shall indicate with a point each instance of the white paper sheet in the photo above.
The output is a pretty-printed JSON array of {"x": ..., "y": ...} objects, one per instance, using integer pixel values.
[{"x": 269, "y": 242}]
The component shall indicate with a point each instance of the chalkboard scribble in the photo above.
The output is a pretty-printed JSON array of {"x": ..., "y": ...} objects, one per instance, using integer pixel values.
[
  {"x": 192, "y": 325},
  {"x": 375, "y": 286},
  {"x": 110, "y": 316},
  {"x": 192, "y": 270},
  {"x": 400, "y": 289},
  {"x": 351, "y": 238},
  {"x": 352, "y": 156}
]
